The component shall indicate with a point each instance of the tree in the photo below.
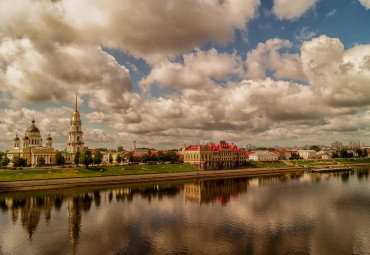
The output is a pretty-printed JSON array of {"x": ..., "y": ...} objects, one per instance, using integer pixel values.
[
  {"x": 86, "y": 158},
  {"x": 315, "y": 148},
  {"x": 172, "y": 156},
  {"x": 98, "y": 157},
  {"x": 161, "y": 156},
  {"x": 19, "y": 162},
  {"x": 144, "y": 158},
  {"x": 4, "y": 161},
  {"x": 365, "y": 154},
  {"x": 130, "y": 157},
  {"x": 343, "y": 153},
  {"x": 154, "y": 157},
  {"x": 77, "y": 158},
  {"x": 110, "y": 158},
  {"x": 59, "y": 159},
  {"x": 335, "y": 154},
  {"x": 359, "y": 153},
  {"x": 118, "y": 159},
  {"x": 40, "y": 161},
  {"x": 120, "y": 148}
]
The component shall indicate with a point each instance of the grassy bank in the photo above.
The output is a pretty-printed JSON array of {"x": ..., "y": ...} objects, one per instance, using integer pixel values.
[{"x": 65, "y": 173}]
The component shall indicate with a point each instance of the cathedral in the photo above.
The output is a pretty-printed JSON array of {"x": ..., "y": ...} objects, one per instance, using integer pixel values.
[{"x": 31, "y": 147}]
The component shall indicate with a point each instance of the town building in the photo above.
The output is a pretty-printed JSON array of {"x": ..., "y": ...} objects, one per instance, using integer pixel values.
[
  {"x": 212, "y": 156},
  {"x": 307, "y": 154},
  {"x": 264, "y": 156},
  {"x": 31, "y": 147}
]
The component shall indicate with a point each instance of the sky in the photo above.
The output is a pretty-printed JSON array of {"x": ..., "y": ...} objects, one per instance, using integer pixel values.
[{"x": 168, "y": 73}]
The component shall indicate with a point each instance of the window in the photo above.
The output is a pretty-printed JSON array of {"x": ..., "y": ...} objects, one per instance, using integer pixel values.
[{"x": 78, "y": 138}]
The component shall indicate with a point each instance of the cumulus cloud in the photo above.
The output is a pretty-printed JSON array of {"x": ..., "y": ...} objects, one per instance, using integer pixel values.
[
  {"x": 267, "y": 56},
  {"x": 145, "y": 29},
  {"x": 365, "y": 3},
  {"x": 339, "y": 77},
  {"x": 286, "y": 9},
  {"x": 33, "y": 76},
  {"x": 198, "y": 70}
]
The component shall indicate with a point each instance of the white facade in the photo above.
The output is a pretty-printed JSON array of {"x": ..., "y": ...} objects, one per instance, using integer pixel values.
[
  {"x": 263, "y": 156},
  {"x": 307, "y": 154}
]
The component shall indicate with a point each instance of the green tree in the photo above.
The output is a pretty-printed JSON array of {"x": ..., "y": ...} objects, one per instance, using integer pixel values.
[
  {"x": 59, "y": 159},
  {"x": 110, "y": 158},
  {"x": 4, "y": 161},
  {"x": 120, "y": 148},
  {"x": 161, "y": 156},
  {"x": 365, "y": 154},
  {"x": 119, "y": 159},
  {"x": 154, "y": 157},
  {"x": 359, "y": 153},
  {"x": 40, "y": 161},
  {"x": 19, "y": 162},
  {"x": 144, "y": 158},
  {"x": 130, "y": 157},
  {"x": 77, "y": 157},
  {"x": 335, "y": 154},
  {"x": 172, "y": 156},
  {"x": 315, "y": 148},
  {"x": 86, "y": 158},
  {"x": 343, "y": 153},
  {"x": 98, "y": 157}
]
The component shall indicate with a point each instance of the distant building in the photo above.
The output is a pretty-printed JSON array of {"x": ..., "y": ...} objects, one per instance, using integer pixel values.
[
  {"x": 307, "y": 154},
  {"x": 355, "y": 145},
  {"x": 323, "y": 155},
  {"x": 212, "y": 156},
  {"x": 264, "y": 156},
  {"x": 337, "y": 145}
]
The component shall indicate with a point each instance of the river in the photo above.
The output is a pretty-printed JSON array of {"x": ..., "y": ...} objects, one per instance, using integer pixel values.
[{"x": 296, "y": 213}]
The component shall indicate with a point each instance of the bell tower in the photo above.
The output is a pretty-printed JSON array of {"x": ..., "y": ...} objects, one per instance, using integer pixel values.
[{"x": 75, "y": 141}]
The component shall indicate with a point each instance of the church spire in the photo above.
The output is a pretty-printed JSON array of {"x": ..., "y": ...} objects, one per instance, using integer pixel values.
[{"x": 76, "y": 103}]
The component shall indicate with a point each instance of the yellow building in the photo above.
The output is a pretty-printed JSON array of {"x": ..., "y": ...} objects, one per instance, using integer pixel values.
[
  {"x": 30, "y": 147},
  {"x": 212, "y": 156}
]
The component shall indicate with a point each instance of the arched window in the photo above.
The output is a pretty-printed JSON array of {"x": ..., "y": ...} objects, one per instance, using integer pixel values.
[{"x": 78, "y": 138}]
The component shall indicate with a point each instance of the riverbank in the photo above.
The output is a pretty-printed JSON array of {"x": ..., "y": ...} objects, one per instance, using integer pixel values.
[{"x": 144, "y": 178}]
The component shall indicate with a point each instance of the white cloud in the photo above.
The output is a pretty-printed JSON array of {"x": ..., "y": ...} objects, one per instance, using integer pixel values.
[
  {"x": 33, "y": 76},
  {"x": 149, "y": 29},
  {"x": 287, "y": 9},
  {"x": 365, "y": 3},
  {"x": 267, "y": 57},
  {"x": 197, "y": 72}
]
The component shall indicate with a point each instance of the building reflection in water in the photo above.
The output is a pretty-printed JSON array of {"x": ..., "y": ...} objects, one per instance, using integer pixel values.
[
  {"x": 206, "y": 191},
  {"x": 30, "y": 208}
]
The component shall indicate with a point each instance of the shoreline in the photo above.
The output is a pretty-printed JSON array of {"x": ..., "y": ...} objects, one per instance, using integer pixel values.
[{"x": 146, "y": 178}]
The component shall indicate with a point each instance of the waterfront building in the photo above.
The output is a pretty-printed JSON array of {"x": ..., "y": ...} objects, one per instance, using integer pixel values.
[
  {"x": 307, "y": 154},
  {"x": 31, "y": 148},
  {"x": 264, "y": 156},
  {"x": 212, "y": 156},
  {"x": 323, "y": 155},
  {"x": 75, "y": 140}
]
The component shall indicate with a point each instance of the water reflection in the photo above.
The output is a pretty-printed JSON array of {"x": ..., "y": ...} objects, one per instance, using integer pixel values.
[
  {"x": 206, "y": 191},
  {"x": 279, "y": 212}
]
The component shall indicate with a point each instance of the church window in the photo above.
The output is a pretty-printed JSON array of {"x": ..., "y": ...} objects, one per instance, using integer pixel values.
[{"x": 78, "y": 138}]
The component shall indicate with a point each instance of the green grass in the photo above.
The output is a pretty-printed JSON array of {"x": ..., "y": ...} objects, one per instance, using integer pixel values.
[
  {"x": 65, "y": 173},
  {"x": 257, "y": 164},
  {"x": 353, "y": 160}
]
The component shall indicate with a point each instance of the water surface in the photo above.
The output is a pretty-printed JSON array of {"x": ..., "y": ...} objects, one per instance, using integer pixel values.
[{"x": 288, "y": 214}]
